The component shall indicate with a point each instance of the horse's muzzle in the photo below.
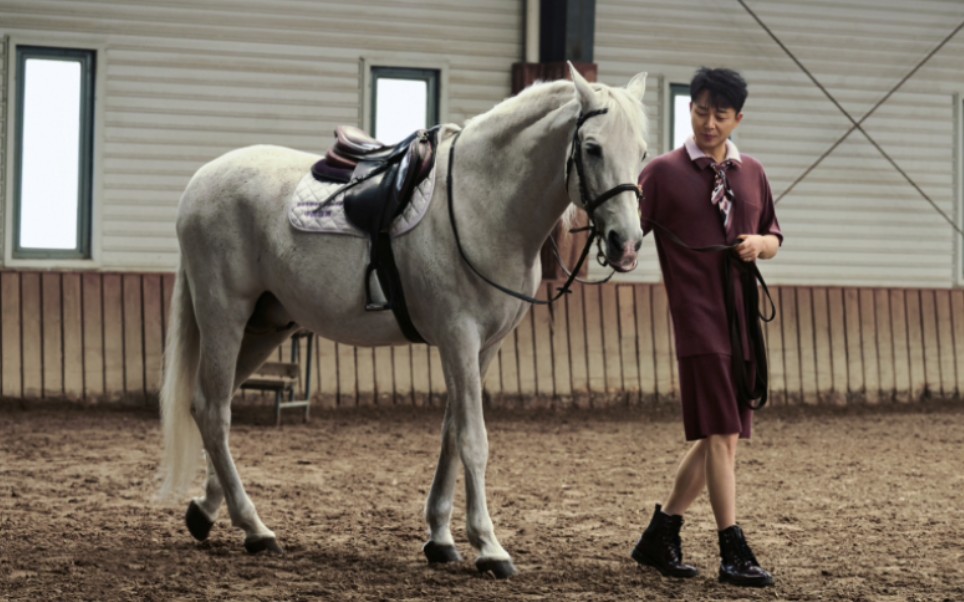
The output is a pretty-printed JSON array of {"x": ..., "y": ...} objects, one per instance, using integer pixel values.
[
  {"x": 625, "y": 265},
  {"x": 621, "y": 254}
]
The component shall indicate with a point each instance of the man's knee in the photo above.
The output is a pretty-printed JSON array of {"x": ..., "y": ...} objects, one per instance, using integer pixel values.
[{"x": 722, "y": 444}]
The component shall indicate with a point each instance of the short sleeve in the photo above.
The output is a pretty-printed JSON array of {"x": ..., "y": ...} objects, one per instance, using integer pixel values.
[{"x": 768, "y": 219}]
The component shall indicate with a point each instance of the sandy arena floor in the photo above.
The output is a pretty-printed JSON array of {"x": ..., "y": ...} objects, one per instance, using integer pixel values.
[{"x": 840, "y": 505}]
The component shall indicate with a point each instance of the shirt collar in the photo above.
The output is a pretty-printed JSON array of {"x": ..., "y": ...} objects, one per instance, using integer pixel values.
[{"x": 694, "y": 151}]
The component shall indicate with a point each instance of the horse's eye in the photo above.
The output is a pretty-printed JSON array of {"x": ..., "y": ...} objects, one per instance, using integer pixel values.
[{"x": 593, "y": 150}]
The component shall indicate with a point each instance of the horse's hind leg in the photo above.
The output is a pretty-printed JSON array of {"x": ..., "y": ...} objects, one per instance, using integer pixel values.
[
  {"x": 221, "y": 339},
  {"x": 256, "y": 347},
  {"x": 440, "y": 547},
  {"x": 203, "y": 511}
]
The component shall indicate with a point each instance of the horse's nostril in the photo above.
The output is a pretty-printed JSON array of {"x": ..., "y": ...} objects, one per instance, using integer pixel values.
[
  {"x": 615, "y": 242},
  {"x": 639, "y": 244}
]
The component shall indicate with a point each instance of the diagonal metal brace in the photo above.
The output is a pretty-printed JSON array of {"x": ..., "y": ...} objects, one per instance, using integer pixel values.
[{"x": 857, "y": 124}]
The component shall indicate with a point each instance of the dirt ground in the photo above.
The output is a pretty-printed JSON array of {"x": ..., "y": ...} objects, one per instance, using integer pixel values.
[{"x": 839, "y": 504}]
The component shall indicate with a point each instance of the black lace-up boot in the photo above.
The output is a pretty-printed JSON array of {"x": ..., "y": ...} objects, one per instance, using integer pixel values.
[
  {"x": 660, "y": 546},
  {"x": 738, "y": 565}
]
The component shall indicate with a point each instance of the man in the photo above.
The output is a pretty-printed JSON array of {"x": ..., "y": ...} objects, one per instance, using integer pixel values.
[{"x": 702, "y": 194}]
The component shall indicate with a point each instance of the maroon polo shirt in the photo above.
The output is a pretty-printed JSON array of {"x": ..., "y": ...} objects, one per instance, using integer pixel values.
[{"x": 676, "y": 195}]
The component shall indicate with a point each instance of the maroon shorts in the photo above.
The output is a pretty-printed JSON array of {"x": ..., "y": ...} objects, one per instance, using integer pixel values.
[{"x": 708, "y": 397}]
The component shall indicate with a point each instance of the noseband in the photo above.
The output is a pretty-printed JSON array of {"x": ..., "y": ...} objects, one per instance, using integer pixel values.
[{"x": 589, "y": 205}]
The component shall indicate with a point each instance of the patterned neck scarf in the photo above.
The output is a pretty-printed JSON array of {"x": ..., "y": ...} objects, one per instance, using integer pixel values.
[{"x": 722, "y": 194}]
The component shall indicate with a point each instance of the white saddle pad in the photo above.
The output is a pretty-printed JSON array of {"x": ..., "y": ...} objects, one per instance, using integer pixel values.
[{"x": 308, "y": 210}]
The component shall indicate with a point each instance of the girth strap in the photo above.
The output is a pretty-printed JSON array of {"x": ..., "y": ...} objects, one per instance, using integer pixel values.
[{"x": 391, "y": 283}]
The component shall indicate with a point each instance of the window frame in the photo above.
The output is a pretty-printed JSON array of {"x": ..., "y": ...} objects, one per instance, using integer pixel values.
[
  {"x": 673, "y": 90},
  {"x": 87, "y": 58},
  {"x": 368, "y": 64},
  {"x": 429, "y": 76}
]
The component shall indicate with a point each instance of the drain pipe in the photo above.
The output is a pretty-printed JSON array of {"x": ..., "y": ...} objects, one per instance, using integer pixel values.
[{"x": 531, "y": 42}]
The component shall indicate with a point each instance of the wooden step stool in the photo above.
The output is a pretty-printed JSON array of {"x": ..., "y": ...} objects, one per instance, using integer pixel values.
[{"x": 284, "y": 377}]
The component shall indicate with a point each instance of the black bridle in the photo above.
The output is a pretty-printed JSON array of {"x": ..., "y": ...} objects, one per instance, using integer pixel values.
[
  {"x": 575, "y": 157},
  {"x": 589, "y": 204}
]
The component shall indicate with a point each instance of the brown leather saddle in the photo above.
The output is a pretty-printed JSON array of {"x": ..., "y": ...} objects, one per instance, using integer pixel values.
[
  {"x": 378, "y": 181},
  {"x": 353, "y": 146}
]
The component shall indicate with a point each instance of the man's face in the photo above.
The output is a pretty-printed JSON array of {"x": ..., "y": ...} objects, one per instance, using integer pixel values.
[{"x": 712, "y": 126}]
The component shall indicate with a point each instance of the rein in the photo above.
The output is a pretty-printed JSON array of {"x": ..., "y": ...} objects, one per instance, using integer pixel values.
[
  {"x": 749, "y": 275},
  {"x": 589, "y": 204}
]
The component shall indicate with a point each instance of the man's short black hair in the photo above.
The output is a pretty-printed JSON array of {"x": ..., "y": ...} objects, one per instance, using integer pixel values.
[{"x": 727, "y": 88}]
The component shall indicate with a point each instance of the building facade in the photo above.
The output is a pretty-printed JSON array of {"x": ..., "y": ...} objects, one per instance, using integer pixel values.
[{"x": 869, "y": 284}]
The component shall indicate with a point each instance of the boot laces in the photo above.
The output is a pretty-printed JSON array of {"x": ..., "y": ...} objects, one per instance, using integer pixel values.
[
  {"x": 674, "y": 544},
  {"x": 744, "y": 554}
]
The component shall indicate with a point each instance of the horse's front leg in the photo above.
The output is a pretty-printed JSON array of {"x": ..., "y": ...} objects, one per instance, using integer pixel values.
[
  {"x": 464, "y": 366},
  {"x": 440, "y": 547}
]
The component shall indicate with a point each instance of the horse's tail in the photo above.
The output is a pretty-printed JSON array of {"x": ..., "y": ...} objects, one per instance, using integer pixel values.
[{"x": 182, "y": 440}]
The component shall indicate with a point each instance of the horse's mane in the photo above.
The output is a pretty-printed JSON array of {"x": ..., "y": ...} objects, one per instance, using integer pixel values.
[
  {"x": 568, "y": 217},
  {"x": 531, "y": 104}
]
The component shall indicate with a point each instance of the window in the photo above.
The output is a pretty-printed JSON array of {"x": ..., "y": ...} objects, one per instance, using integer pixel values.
[
  {"x": 680, "y": 127},
  {"x": 403, "y": 100},
  {"x": 53, "y": 150}
]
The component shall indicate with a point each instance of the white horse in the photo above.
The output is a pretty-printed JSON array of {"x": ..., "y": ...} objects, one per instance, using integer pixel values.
[{"x": 246, "y": 277}]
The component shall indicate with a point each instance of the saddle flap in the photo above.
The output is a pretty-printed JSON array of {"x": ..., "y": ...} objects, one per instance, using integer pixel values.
[{"x": 370, "y": 202}]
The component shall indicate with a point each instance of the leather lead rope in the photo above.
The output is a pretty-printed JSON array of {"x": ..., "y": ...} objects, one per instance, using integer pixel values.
[{"x": 754, "y": 394}]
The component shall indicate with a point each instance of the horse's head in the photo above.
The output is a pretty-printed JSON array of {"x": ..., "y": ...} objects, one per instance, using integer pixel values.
[{"x": 608, "y": 148}]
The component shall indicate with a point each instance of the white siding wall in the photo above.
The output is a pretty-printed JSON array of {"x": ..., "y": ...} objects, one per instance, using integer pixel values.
[
  {"x": 854, "y": 220},
  {"x": 186, "y": 81}
]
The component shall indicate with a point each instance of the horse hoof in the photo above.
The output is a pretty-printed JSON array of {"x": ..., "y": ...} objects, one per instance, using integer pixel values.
[
  {"x": 197, "y": 522},
  {"x": 256, "y": 545},
  {"x": 440, "y": 554},
  {"x": 500, "y": 569}
]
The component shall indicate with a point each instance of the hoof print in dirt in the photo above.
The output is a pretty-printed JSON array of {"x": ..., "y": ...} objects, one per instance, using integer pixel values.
[
  {"x": 441, "y": 554},
  {"x": 498, "y": 569},
  {"x": 197, "y": 523},
  {"x": 256, "y": 545}
]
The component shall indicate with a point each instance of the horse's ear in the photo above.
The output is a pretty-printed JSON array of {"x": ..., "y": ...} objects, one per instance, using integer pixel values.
[
  {"x": 583, "y": 90},
  {"x": 637, "y": 86}
]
